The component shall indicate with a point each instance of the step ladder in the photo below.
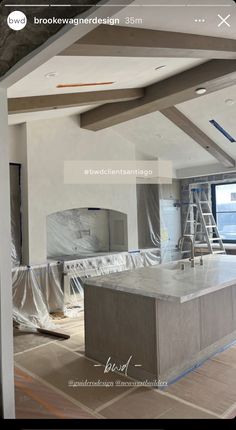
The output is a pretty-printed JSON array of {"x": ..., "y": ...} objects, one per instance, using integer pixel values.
[{"x": 200, "y": 225}]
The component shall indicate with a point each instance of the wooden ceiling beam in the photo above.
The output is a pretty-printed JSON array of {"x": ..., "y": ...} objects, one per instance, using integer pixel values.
[
  {"x": 212, "y": 75},
  {"x": 62, "y": 101},
  {"x": 115, "y": 41},
  {"x": 188, "y": 127}
]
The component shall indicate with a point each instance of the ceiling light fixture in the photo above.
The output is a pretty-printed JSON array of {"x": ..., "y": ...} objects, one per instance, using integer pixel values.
[
  {"x": 200, "y": 91},
  {"x": 51, "y": 75},
  {"x": 229, "y": 102}
]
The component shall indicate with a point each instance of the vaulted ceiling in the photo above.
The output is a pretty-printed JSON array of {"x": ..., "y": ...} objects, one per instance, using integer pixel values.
[{"x": 142, "y": 79}]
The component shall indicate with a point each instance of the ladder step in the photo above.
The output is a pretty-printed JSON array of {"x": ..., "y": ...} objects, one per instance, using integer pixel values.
[
  {"x": 222, "y": 251},
  {"x": 211, "y": 226},
  {"x": 207, "y": 213},
  {"x": 214, "y": 239}
]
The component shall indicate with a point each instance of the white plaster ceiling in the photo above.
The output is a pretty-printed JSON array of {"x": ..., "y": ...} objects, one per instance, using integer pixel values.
[
  {"x": 215, "y": 106},
  {"x": 155, "y": 136},
  {"x": 124, "y": 72}
]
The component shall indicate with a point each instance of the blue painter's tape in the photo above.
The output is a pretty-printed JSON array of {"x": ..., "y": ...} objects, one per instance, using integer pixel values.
[
  {"x": 222, "y": 131},
  {"x": 200, "y": 363}
]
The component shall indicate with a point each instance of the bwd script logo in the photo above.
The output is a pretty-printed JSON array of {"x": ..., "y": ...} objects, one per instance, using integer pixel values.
[{"x": 16, "y": 20}]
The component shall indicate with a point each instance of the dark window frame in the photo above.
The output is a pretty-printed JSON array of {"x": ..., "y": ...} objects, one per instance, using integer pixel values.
[
  {"x": 213, "y": 198},
  {"x": 19, "y": 165}
]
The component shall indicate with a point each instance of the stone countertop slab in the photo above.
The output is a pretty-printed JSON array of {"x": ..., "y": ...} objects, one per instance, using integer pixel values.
[{"x": 169, "y": 282}]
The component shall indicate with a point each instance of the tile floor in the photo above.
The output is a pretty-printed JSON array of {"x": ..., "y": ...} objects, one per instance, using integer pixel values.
[{"x": 44, "y": 368}]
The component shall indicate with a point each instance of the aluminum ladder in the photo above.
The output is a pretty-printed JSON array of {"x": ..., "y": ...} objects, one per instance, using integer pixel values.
[{"x": 200, "y": 225}]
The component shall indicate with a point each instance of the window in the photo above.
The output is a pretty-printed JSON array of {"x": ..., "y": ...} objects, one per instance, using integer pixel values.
[{"x": 224, "y": 210}]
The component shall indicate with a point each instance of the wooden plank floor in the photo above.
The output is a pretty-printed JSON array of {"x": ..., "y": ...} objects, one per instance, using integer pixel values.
[{"x": 45, "y": 368}]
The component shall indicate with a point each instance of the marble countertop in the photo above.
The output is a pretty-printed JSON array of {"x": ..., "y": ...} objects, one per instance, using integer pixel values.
[{"x": 169, "y": 282}]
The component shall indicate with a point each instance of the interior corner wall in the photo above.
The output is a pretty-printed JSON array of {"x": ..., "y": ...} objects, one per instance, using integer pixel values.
[{"x": 49, "y": 144}]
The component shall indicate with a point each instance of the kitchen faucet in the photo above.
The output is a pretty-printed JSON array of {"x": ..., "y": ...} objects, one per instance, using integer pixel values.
[{"x": 180, "y": 243}]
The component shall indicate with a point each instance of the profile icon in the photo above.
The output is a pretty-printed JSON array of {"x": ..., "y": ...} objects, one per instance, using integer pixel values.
[{"x": 17, "y": 20}]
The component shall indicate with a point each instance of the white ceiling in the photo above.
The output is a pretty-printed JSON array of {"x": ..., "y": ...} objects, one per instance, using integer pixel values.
[
  {"x": 124, "y": 72},
  {"x": 213, "y": 106},
  {"x": 155, "y": 136}
]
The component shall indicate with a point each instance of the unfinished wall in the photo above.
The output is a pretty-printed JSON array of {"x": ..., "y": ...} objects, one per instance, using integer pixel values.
[
  {"x": 205, "y": 182},
  {"x": 170, "y": 191},
  {"x": 49, "y": 144}
]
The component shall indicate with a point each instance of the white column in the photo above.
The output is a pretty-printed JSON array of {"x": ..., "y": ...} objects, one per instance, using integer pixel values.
[{"x": 6, "y": 329}]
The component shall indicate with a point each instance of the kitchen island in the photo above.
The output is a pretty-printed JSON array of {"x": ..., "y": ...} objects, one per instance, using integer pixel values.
[{"x": 163, "y": 319}]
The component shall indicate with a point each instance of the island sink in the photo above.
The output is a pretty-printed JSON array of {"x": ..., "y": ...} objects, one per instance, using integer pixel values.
[{"x": 183, "y": 264}]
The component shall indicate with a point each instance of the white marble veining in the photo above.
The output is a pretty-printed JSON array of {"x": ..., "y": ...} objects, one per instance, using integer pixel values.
[{"x": 169, "y": 282}]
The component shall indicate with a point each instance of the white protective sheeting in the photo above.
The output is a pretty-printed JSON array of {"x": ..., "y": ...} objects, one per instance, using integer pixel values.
[
  {"x": 80, "y": 231},
  {"x": 81, "y": 240},
  {"x": 37, "y": 291},
  {"x": 77, "y": 270},
  {"x": 40, "y": 290}
]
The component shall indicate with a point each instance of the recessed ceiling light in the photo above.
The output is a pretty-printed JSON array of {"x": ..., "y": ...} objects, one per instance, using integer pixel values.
[
  {"x": 229, "y": 102},
  {"x": 51, "y": 75},
  {"x": 200, "y": 91}
]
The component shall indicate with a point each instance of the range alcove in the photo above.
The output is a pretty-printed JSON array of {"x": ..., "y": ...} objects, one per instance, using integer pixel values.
[{"x": 85, "y": 232}]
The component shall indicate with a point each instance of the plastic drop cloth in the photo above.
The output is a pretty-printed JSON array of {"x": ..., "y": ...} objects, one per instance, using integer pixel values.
[
  {"x": 37, "y": 291},
  {"x": 78, "y": 270},
  {"x": 110, "y": 263},
  {"x": 159, "y": 220},
  {"x": 40, "y": 290},
  {"x": 77, "y": 232}
]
